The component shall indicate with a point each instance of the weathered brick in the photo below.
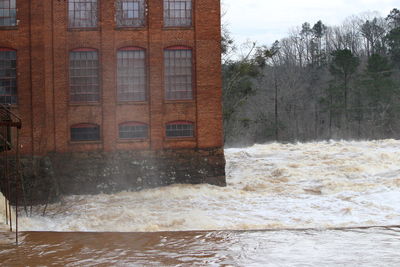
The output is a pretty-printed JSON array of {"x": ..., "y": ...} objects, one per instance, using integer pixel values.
[{"x": 43, "y": 42}]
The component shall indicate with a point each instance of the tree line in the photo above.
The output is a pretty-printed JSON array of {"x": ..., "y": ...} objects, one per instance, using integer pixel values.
[{"x": 320, "y": 82}]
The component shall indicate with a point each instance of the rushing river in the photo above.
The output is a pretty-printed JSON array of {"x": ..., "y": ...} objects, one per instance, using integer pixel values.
[
  {"x": 275, "y": 188},
  {"x": 372, "y": 247}
]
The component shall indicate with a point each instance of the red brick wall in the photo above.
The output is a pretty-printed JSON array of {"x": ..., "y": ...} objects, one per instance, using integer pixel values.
[{"x": 43, "y": 43}]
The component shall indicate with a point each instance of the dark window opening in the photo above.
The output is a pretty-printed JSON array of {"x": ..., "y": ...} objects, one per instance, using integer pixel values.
[
  {"x": 179, "y": 129},
  {"x": 178, "y": 73},
  {"x": 8, "y": 13},
  {"x": 131, "y": 13},
  {"x": 177, "y": 13},
  {"x": 84, "y": 75},
  {"x": 132, "y": 78},
  {"x": 133, "y": 130},
  {"x": 8, "y": 76},
  {"x": 82, "y": 13},
  {"x": 85, "y": 132}
]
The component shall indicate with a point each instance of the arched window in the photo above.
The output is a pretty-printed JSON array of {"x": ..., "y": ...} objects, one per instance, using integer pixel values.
[
  {"x": 82, "y": 13},
  {"x": 8, "y": 13},
  {"x": 84, "y": 75},
  {"x": 130, "y": 13},
  {"x": 85, "y": 132},
  {"x": 133, "y": 130},
  {"x": 177, "y": 129},
  {"x": 177, "y": 13},
  {"x": 8, "y": 76},
  {"x": 132, "y": 79},
  {"x": 178, "y": 73}
]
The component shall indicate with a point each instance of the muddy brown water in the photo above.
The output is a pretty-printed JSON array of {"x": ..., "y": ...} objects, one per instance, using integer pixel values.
[
  {"x": 325, "y": 185},
  {"x": 353, "y": 247}
]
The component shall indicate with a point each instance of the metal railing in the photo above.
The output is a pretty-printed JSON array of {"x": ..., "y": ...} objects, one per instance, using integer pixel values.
[{"x": 10, "y": 169}]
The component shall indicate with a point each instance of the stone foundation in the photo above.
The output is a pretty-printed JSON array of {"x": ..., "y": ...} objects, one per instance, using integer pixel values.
[{"x": 47, "y": 178}]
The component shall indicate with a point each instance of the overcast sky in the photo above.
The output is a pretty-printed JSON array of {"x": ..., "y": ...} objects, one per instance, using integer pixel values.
[{"x": 265, "y": 21}]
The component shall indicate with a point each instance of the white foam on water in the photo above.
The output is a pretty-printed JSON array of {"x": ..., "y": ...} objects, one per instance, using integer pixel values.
[{"x": 317, "y": 185}]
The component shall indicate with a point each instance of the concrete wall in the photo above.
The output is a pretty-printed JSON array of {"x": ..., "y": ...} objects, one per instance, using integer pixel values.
[
  {"x": 2, "y": 212},
  {"x": 3, "y": 224},
  {"x": 109, "y": 172}
]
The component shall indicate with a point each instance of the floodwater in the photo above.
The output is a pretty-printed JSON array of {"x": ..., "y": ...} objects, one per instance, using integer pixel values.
[
  {"x": 372, "y": 247},
  {"x": 274, "y": 192}
]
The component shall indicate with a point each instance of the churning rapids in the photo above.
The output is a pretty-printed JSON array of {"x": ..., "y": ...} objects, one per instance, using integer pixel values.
[{"x": 272, "y": 188}]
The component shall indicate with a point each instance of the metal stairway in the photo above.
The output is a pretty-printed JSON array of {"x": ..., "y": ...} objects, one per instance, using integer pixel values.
[{"x": 10, "y": 170}]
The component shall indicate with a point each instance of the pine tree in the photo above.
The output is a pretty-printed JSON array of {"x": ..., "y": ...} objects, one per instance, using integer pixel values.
[
  {"x": 381, "y": 91},
  {"x": 343, "y": 67},
  {"x": 393, "y": 37}
]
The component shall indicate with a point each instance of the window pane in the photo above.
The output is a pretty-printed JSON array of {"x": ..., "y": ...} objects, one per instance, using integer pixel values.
[
  {"x": 133, "y": 131},
  {"x": 131, "y": 69},
  {"x": 177, "y": 13},
  {"x": 8, "y": 13},
  {"x": 86, "y": 132},
  {"x": 82, "y": 13},
  {"x": 84, "y": 76},
  {"x": 178, "y": 74},
  {"x": 179, "y": 129},
  {"x": 8, "y": 77},
  {"x": 130, "y": 13}
]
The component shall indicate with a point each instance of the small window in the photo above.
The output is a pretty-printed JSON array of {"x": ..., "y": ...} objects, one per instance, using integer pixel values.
[
  {"x": 133, "y": 130},
  {"x": 8, "y": 76},
  {"x": 82, "y": 13},
  {"x": 179, "y": 129},
  {"x": 85, "y": 132},
  {"x": 8, "y": 13},
  {"x": 178, "y": 73},
  {"x": 177, "y": 13},
  {"x": 130, "y": 13},
  {"x": 84, "y": 75},
  {"x": 131, "y": 82}
]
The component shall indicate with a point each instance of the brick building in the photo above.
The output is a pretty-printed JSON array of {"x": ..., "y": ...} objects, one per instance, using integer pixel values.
[{"x": 115, "y": 94}]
